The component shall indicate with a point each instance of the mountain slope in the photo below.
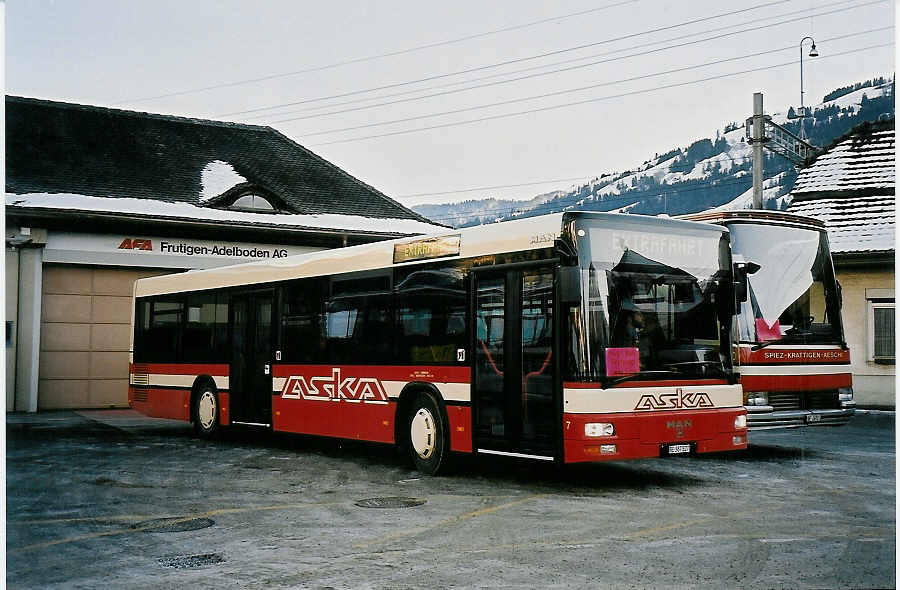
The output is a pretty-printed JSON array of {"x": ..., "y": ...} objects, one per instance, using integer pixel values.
[{"x": 709, "y": 173}]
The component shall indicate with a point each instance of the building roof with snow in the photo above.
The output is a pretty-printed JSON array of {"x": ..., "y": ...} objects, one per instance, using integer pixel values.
[
  {"x": 851, "y": 188},
  {"x": 70, "y": 161}
]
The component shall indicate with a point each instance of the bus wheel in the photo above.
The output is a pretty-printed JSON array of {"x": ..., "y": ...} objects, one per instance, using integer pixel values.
[
  {"x": 206, "y": 413},
  {"x": 427, "y": 443}
]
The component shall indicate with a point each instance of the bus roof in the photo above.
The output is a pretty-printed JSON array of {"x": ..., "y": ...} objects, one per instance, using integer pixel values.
[
  {"x": 531, "y": 233},
  {"x": 757, "y": 216}
]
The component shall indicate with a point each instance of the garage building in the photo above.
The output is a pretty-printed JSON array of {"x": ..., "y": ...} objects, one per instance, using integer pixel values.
[{"x": 98, "y": 197}]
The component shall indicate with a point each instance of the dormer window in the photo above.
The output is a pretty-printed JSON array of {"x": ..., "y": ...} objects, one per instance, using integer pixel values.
[{"x": 252, "y": 203}]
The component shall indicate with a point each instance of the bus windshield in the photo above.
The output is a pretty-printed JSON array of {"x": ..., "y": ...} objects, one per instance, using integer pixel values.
[
  {"x": 793, "y": 297},
  {"x": 655, "y": 305}
]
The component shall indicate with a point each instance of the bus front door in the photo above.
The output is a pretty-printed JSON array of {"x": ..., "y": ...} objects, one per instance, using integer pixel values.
[
  {"x": 250, "y": 377},
  {"x": 514, "y": 402}
]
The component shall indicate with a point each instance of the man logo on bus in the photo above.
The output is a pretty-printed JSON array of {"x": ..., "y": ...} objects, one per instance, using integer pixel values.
[
  {"x": 334, "y": 388},
  {"x": 674, "y": 401}
]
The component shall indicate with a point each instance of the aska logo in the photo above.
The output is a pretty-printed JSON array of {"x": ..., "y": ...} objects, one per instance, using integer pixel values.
[
  {"x": 136, "y": 244},
  {"x": 335, "y": 388},
  {"x": 674, "y": 401}
]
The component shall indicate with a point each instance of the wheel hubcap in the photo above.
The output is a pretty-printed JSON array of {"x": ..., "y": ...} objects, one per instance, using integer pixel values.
[
  {"x": 422, "y": 433},
  {"x": 206, "y": 410}
]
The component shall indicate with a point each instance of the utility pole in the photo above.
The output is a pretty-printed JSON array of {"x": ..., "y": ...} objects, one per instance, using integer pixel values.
[
  {"x": 757, "y": 142},
  {"x": 762, "y": 132}
]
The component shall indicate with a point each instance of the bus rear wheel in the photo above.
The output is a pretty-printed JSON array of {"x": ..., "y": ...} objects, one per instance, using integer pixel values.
[
  {"x": 427, "y": 441},
  {"x": 206, "y": 413}
]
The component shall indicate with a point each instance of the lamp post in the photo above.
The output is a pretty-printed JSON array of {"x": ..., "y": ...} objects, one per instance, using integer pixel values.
[{"x": 812, "y": 53}]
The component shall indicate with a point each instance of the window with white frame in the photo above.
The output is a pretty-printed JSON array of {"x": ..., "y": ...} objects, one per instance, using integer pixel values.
[
  {"x": 252, "y": 203},
  {"x": 880, "y": 326}
]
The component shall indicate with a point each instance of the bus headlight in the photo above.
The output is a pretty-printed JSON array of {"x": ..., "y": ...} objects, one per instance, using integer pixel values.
[
  {"x": 845, "y": 394},
  {"x": 757, "y": 398},
  {"x": 594, "y": 429},
  {"x": 740, "y": 421}
]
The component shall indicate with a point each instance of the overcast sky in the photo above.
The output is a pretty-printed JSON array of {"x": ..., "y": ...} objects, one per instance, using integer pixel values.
[{"x": 121, "y": 54}]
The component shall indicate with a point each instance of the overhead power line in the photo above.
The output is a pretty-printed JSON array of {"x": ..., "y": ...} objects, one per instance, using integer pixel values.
[
  {"x": 566, "y": 91},
  {"x": 517, "y": 60},
  {"x": 573, "y": 200},
  {"x": 572, "y": 90},
  {"x": 670, "y": 168},
  {"x": 378, "y": 56},
  {"x": 496, "y": 75},
  {"x": 488, "y": 188},
  {"x": 596, "y": 99}
]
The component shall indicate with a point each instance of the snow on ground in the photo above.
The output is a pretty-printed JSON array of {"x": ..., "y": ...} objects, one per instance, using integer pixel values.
[
  {"x": 216, "y": 178},
  {"x": 626, "y": 208},
  {"x": 852, "y": 99},
  {"x": 771, "y": 186},
  {"x": 855, "y": 97},
  {"x": 156, "y": 209}
]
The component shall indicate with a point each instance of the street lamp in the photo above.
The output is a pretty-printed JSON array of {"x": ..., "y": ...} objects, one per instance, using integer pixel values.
[{"x": 812, "y": 53}]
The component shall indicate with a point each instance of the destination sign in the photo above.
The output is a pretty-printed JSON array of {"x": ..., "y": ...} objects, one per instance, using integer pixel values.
[{"x": 427, "y": 248}]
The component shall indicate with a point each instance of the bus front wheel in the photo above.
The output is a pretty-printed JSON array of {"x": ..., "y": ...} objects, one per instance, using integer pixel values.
[
  {"x": 427, "y": 442},
  {"x": 206, "y": 413}
]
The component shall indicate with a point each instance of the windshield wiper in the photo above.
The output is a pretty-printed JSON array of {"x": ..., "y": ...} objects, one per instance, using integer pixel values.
[
  {"x": 765, "y": 344},
  {"x": 717, "y": 365},
  {"x": 635, "y": 376}
]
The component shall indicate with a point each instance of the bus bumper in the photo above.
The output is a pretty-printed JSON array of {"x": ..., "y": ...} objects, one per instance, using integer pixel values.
[{"x": 639, "y": 435}]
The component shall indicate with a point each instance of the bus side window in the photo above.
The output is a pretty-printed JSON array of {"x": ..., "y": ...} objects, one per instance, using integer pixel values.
[
  {"x": 301, "y": 335},
  {"x": 199, "y": 329},
  {"x": 141, "y": 328},
  {"x": 163, "y": 337},
  {"x": 357, "y": 320},
  {"x": 431, "y": 315}
]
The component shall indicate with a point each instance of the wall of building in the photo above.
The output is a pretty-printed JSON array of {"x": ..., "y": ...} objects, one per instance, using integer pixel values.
[
  {"x": 873, "y": 384},
  {"x": 85, "y": 335},
  {"x": 12, "y": 297},
  {"x": 69, "y": 296}
]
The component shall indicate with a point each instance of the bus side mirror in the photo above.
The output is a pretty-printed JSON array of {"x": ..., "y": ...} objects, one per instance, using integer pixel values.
[
  {"x": 840, "y": 294},
  {"x": 569, "y": 279},
  {"x": 741, "y": 287}
]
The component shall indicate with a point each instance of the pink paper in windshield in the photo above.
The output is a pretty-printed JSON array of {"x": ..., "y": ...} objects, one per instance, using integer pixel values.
[
  {"x": 766, "y": 332},
  {"x": 622, "y": 361}
]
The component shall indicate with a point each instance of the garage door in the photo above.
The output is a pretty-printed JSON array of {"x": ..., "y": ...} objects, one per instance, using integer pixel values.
[{"x": 85, "y": 324}]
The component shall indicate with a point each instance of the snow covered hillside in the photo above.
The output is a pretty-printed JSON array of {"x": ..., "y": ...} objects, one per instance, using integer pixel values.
[{"x": 709, "y": 173}]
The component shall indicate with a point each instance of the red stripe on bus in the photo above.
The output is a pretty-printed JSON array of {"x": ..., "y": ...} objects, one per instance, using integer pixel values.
[
  {"x": 161, "y": 403},
  {"x": 685, "y": 383},
  {"x": 794, "y": 356},
  {"x": 215, "y": 370},
  {"x": 224, "y": 416},
  {"x": 795, "y": 382},
  {"x": 435, "y": 374},
  {"x": 359, "y": 421},
  {"x": 460, "y": 418}
]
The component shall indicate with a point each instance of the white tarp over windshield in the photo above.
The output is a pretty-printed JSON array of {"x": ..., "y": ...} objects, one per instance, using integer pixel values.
[{"x": 785, "y": 256}]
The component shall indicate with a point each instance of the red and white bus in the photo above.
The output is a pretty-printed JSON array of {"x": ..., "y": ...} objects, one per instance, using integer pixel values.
[
  {"x": 569, "y": 337},
  {"x": 794, "y": 361}
]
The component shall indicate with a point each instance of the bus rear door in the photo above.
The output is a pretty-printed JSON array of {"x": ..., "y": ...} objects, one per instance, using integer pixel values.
[{"x": 250, "y": 379}]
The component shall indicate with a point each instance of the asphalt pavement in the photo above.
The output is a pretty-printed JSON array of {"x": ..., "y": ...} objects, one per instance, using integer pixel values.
[{"x": 116, "y": 500}]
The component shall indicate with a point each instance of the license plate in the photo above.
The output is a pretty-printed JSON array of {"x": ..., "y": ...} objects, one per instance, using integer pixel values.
[
  {"x": 813, "y": 418},
  {"x": 678, "y": 449}
]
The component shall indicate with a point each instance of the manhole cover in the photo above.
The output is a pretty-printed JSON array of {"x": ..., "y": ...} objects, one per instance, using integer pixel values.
[
  {"x": 393, "y": 502},
  {"x": 176, "y": 524},
  {"x": 189, "y": 561}
]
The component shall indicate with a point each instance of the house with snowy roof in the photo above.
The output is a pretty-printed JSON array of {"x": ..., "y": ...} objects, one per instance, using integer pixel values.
[
  {"x": 851, "y": 187},
  {"x": 98, "y": 197}
]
